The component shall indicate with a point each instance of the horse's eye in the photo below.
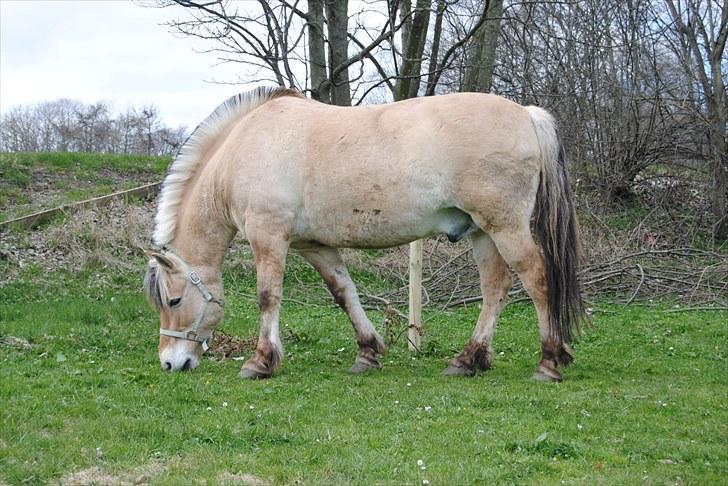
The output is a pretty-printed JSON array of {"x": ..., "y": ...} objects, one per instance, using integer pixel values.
[{"x": 174, "y": 302}]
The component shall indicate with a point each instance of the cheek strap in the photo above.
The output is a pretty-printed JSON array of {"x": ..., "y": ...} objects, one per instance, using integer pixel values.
[{"x": 194, "y": 333}]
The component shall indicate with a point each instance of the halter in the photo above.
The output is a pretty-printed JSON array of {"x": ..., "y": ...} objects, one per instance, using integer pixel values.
[{"x": 194, "y": 333}]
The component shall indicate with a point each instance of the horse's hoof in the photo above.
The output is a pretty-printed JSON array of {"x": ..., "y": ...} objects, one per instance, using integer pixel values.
[
  {"x": 453, "y": 370},
  {"x": 253, "y": 374},
  {"x": 544, "y": 373},
  {"x": 364, "y": 366}
]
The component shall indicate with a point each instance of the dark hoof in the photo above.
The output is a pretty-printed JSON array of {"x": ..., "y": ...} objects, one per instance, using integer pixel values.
[
  {"x": 362, "y": 366},
  {"x": 544, "y": 373},
  {"x": 254, "y": 373},
  {"x": 458, "y": 370}
]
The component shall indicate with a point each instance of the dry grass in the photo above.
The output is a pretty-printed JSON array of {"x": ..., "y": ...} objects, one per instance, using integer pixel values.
[{"x": 141, "y": 475}]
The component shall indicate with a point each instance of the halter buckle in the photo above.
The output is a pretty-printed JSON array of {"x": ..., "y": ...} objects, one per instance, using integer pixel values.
[{"x": 194, "y": 278}]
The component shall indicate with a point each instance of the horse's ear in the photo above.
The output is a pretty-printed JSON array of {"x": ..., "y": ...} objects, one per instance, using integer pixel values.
[{"x": 160, "y": 258}]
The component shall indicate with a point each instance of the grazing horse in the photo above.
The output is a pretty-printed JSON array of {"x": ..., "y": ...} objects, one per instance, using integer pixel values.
[{"x": 289, "y": 173}]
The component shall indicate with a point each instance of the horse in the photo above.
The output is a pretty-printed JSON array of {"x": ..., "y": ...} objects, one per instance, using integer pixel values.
[{"x": 291, "y": 174}]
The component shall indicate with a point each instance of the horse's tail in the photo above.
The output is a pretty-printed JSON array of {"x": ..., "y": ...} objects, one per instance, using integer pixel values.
[{"x": 557, "y": 229}]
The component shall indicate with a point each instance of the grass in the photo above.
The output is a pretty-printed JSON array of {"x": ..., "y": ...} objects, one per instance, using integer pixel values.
[
  {"x": 645, "y": 402},
  {"x": 35, "y": 181}
]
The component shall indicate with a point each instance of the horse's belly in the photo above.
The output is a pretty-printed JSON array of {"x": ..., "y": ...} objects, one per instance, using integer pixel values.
[{"x": 376, "y": 228}]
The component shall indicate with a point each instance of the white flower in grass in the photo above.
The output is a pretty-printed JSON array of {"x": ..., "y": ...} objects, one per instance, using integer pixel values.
[
  {"x": 428, "y": 409},
  {"x": 420, "y": 462},
  {"x": 425, "y": 481}
]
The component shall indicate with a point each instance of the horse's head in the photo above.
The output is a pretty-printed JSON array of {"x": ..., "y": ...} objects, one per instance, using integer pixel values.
[{"x": 190, "y": 307}]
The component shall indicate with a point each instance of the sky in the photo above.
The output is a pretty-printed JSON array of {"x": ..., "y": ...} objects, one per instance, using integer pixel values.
[{"x": 110, "y": 50}]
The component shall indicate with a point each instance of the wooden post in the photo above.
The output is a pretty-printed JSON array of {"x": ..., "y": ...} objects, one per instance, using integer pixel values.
[{"x": 415, "y": 295}]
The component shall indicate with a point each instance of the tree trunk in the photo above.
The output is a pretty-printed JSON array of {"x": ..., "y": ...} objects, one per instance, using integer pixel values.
[
  {"x": 715, "y": 98},
  {"x": 408, "y": 82},
  {"x": 317, "y": 50},
  {"x": 435, "y": 51},
  {"x": 405, "y": 15},
  {"x": 720, "y": 153},
  {"x": 479, "y": 74},
  {"x": 338, "y": 19}
]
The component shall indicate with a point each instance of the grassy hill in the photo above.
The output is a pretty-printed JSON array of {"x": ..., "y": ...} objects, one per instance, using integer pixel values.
[{"x": 31, "y": 182}]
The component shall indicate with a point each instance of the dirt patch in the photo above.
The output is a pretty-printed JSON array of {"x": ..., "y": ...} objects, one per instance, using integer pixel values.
[
  {"x": 228, "y": 478},
  {"x": 147, "y": 474},
  {"x": 15, "y": 342},
  {"x": 226, "y": 346},
  {"x": 141, "y": 475}
]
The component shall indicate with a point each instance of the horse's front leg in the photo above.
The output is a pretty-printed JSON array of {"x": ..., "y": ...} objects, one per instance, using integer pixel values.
[
  {"x": 329, "y": 265},
  {"x": 269, "y": 251}
]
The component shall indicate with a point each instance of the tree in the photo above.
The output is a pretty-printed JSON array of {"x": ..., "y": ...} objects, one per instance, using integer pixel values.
[
  {"x": 701, "y": 28},
  {"x": 67, "y": 126},
  {"x": 413, "y": 45},
  {"x": 481, "y": 60},
  {"x": 338, "y": 18}
]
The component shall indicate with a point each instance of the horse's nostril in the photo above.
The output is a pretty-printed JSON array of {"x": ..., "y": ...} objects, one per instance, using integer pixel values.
[
  {"x": 187, "y": 364},
  {"x": 167, "y": 366}
]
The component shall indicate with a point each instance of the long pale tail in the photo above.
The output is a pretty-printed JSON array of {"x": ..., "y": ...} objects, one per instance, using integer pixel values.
[{"x": 557, "y": 229}]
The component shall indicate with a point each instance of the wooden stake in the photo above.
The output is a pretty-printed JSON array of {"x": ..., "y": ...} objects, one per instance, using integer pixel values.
[{"x": 415, "y": 295}]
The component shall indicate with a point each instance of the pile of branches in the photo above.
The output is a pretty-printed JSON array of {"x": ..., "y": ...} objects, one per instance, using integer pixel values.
[
  {"x": 665, "y": 255},
  {"x": 695, "y": 277}
]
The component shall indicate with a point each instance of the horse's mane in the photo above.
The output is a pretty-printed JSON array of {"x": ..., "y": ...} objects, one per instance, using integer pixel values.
[{"x": 190, "y": 155}]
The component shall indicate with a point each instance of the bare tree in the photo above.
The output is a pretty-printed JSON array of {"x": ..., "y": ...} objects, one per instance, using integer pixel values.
[
  {"x": 413, "y": 45},
  {"x": 70, "y": 126},
  {"x": 338, "y": 19},
  {"x": 701, "y": 28},
  {"x": 317, "y": 49},
  {"x": 481, "y": 57}
]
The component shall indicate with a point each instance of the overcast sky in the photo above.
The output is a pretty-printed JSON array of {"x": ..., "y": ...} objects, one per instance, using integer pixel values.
[{"x": 111, "y": 50}]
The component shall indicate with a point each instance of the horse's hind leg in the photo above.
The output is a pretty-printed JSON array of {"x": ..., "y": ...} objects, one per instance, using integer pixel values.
[
  {"x": 522, "y": 254},
  {"x": 328, "y": 263},
  {"x": 495, "y": 280}
]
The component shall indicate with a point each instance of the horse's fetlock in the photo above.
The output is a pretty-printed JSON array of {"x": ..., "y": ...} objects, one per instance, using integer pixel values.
[
  {"x": 372, "y": 343},
  {"x": 477, "y": 355},
  {"x": 557, "y": 353}
]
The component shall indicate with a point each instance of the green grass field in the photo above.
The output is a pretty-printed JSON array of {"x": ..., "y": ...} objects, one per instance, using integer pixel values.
[
  {"x": 644, "y": 403},
  {"x": 31, "y": 182}
]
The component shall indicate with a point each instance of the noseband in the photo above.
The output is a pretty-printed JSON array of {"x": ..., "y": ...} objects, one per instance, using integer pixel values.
[{"x": 194, "y": 333}]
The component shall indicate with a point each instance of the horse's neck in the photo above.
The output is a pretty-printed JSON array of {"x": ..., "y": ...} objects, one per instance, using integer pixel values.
[{"x": 201, "y": 237}]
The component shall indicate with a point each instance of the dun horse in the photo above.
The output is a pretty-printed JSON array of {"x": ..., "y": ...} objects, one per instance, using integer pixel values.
[{"x": 292, "y": 174}]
